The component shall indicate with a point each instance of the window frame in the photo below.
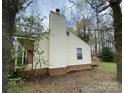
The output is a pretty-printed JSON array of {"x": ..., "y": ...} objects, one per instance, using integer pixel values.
[{"x": 79, "y": 54}]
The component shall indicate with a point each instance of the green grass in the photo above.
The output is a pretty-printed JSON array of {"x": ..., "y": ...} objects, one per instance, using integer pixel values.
[
  {"x": 109, "y": 67},
  {"x": 16, "y": 89}
]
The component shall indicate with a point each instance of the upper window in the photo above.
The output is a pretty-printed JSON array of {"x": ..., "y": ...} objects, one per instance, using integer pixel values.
[
  {"x": 67, "y": 33},
  {"x": 79, "y": 53}
]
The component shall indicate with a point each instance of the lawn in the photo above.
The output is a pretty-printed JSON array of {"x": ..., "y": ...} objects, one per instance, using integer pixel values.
[{"x": 107, "y": 66}]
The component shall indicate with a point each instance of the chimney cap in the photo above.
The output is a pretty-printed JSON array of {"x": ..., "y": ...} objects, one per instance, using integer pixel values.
[{"x": 57, "y": 10}]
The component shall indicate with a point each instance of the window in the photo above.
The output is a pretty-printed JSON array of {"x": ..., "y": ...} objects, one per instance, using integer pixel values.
[
  {"x": 79, "y": 53},
  {"x": 67, "y": 33}
]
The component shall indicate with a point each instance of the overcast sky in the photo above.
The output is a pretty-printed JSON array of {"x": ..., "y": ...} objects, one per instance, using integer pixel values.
[{"x": 43, "y": 8}]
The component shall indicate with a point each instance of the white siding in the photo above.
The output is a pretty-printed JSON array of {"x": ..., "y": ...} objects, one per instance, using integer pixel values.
[
  {"x": 73, "y": 42},
  {"x": 57, "y": 47},
  {"x": 43, "y": 46}
]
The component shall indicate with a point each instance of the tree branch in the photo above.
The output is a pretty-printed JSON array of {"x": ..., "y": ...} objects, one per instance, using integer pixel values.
[
  {"x": 103, "y": 8},
  {"x": 24, "y": 8}
]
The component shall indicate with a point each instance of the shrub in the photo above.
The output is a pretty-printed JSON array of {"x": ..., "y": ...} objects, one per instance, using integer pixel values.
[{"x": 107, "y": 55}]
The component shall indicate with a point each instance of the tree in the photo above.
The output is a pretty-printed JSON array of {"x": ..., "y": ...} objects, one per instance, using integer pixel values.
[
  {"x": 107, "y": 55},
  {"x": 106, "y": 30},
  {"x": 117, "y": 17},
  {"x": 83, "y": 29},
  {"x": 81, "y": 15},
  {"x": 29, "y": 23},
  {"x": 9, "y": 10}
]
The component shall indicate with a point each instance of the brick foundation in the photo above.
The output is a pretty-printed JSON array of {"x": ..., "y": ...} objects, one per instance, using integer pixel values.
[
  {"x": 78, "y": 67},
  {"x": 57, "y": 71},
  {"x": 30, "y": 74},
  {"x": 60, "y": 71}
]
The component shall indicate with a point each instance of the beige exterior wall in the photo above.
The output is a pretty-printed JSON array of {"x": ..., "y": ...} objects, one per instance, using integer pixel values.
[
  {"x": 73, "y": 42},
  {"x": 57, "y": 42},
  {"x": 41, "y": 61}
]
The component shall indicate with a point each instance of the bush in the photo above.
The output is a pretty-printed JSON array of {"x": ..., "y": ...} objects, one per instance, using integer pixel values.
[{"x": 107, "y": 55}]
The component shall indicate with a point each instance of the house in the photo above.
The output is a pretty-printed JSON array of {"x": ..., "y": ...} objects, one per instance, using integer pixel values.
[{"x": 59, "y": 50}]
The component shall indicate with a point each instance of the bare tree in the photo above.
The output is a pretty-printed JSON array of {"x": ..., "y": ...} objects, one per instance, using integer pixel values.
[
  {"x": 106, "y": 30},
  {"x": 83, "y": 28},
  {"x": 117, "y": 17}
]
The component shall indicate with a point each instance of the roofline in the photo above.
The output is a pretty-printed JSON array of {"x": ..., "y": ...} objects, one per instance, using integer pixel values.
[
  {"x": 78, "y": 37},
  {"x": 28, "y": 35}
]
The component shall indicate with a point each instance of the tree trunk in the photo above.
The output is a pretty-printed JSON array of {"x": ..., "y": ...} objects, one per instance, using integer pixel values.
[
  {"x": 95, "y": 43},
  {"x": 6, "y": 49},
  {"x": 117, "y": 16},
  {"x": 9, "y": 10}
]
